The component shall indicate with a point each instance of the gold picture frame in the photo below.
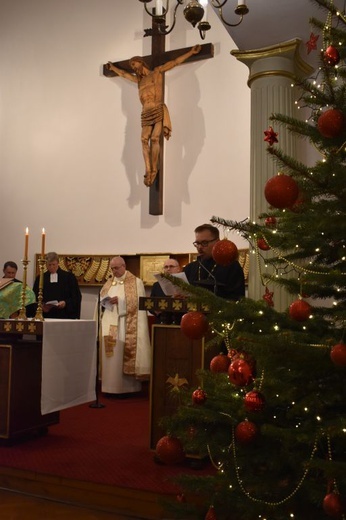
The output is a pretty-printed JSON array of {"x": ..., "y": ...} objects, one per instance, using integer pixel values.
[{"x": 149, "y": 265}]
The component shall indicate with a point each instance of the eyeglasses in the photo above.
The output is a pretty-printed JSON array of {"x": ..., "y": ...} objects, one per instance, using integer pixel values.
[
  {"x": 170, "y": 266},
  {"x": 204, "y": 243}
]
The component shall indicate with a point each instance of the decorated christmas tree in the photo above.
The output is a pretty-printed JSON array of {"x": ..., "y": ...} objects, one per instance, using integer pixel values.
[{"x": 270, "y": 413}]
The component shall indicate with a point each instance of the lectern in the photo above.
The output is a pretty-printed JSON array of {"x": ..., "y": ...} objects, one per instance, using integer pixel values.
[
  {"x": 175, "y": 361},
  {"x": 45, "y": 367},
  {"x": 20, "y": 380}
]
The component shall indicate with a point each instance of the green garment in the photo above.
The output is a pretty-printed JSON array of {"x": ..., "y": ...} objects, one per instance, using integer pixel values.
[{"x": 11, "y": 299}]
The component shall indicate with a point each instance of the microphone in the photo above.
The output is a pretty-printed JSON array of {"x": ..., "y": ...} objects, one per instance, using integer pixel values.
[{"x": 210, "y": 274}]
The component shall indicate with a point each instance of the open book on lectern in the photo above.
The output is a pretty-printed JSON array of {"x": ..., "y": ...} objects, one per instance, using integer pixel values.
[{"x": 167, "y": 286}]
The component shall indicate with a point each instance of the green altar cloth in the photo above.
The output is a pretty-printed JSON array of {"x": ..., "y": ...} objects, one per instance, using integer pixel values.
[{"x": 11, "y": 299}]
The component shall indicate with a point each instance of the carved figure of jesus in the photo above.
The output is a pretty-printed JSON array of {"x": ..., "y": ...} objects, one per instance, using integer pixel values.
[{"x": 155, "y": 116}]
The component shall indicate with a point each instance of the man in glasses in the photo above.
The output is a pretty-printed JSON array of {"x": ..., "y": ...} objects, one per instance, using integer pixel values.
[
  {"x": 227, "y": 282},
  {"x": 171, "y": 266}
]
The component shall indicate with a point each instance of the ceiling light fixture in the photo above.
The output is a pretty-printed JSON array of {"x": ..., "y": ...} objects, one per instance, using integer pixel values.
[{"x": 194, "y": 11}]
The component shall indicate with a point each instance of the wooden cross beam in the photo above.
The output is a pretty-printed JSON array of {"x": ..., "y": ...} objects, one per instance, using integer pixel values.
[{"x": 157, "y": 58}]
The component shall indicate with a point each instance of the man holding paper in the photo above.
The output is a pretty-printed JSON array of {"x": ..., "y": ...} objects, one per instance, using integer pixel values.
[
  {"x": 126, "y": 351},
  {"x": 171, "y": 266},
  {"x": 164, "y": 287},
  {"x": 61, "y": 294}
]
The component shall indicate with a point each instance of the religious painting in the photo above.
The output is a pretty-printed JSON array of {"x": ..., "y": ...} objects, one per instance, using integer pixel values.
[{"x": 149, "y": 265}]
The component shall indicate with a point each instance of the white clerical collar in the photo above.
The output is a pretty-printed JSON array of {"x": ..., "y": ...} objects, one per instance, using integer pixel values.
[{"x": 53, "y": 277}]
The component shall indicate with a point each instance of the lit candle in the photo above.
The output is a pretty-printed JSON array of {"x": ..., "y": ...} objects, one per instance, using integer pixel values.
[
  {"x": 204, "y": 4},
  {"x": 43, "y": 242},
  {"x": 158, "y": 8},
  {"x": 26, "y": 248}
]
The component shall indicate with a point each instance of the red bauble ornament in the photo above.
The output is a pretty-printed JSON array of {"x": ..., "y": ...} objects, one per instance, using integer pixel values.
[
  {"x": 254, "y": 401},
  {"x": 220, "y": 363},
  {"x": 246, "y": 357},
  {"x": 232, "y": 353},
  {"x": 332, "y": 505},
  {"x": 281, "y": 191},
  {"x": 225, "y": 252},
  {"x": 262, "y": 244},
  {"x": 331, "y": 56},
  {"x": 331, "y": 123},
  {"x": 240, "y": 372},
  {"x": 169, "y": 450},
  {"x": 246, "y": 432},
  {"x": 338, "y": 354},
  {"x": 268, "y": 297},
  {"x": 181, "y": 498},
  {"x": 199, "y": 396},
  {"x": 211, "y": 515},
  {"x": 270, "y": 222},
  {"x": 194, "y": 324},
  {"x": 300, "y": 310}
]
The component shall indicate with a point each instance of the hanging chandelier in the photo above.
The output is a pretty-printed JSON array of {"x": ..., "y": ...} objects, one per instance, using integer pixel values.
[{"x": 195, "y": 13}]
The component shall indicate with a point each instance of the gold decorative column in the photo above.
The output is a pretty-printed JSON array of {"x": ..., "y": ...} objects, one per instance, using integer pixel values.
[
  {"x": 39, "y": 314},
  {"x": 273, "y": 70},
  {"x": 22, "y": 312}
]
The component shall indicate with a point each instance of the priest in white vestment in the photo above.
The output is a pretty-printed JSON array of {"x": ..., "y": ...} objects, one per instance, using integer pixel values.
[{"x": 125, "y": 345}]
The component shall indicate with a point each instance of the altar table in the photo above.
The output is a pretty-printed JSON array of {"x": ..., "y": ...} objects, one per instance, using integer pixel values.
[
  {"x": 68, "y": 364},
  {"x": 45, "y": 366}
]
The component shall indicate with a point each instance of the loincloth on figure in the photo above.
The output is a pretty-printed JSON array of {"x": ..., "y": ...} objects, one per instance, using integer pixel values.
[{"x": 154, "y": 115}]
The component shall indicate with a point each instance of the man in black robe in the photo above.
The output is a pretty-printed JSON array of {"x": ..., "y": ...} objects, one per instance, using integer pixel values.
[
  {"x": 227, "y": 282},
  {"x": 61, "y": 296}
]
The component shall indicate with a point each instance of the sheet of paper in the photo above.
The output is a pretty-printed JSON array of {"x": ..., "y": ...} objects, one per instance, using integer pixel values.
[
  {"x": 105, "y": 302},
  {"x": 167, "y": 286}
]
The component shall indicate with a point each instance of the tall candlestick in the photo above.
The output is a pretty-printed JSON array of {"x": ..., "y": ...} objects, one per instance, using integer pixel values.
[
  {"x": 43, "y": 242},
  {"x": 26, "y": 248}
]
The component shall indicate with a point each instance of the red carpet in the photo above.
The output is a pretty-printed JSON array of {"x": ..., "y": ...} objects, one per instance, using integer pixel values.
[{"x": 105, "y": 446}]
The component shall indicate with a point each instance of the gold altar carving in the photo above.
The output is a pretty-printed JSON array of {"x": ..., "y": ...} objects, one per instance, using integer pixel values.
[
  {"x": 149, "y": 265},
  {"x": 88, "y": 269},
  {"x": 94, "y": 270}
]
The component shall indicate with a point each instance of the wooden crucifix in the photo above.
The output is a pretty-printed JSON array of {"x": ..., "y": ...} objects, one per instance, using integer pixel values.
[{"x": 148, "y": 73}]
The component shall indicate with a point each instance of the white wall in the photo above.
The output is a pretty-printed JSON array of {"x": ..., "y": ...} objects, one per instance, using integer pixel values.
[{"x": 70, "y": 151}]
